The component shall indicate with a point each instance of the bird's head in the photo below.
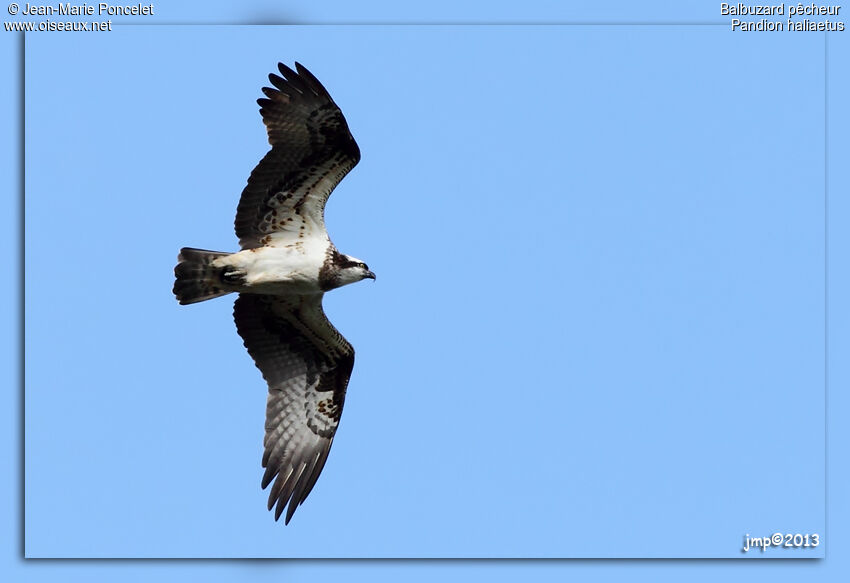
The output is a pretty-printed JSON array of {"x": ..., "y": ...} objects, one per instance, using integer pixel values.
[{"x": 352, "y": 270}]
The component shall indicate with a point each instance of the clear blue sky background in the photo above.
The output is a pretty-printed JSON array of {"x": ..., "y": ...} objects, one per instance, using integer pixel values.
[{"x": 597, "y": 329}]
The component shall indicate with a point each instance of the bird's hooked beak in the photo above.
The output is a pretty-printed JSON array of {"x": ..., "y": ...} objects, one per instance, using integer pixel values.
[{"x": 370, "y": 275}]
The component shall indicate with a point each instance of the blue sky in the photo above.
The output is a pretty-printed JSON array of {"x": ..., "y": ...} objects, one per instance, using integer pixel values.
[{"x": 597, "y": 329}]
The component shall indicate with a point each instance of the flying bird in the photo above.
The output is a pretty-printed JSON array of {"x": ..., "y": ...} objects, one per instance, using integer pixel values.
[{"x": 286, "y": 264}]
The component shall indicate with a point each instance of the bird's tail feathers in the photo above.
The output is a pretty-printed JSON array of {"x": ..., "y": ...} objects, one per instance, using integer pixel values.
[{"x": 197, "y": 279}]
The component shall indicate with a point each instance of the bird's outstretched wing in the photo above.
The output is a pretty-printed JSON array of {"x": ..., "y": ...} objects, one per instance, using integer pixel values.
[
  {"x": 307, "y": 364},
  {"x": 312, "y": 150}
]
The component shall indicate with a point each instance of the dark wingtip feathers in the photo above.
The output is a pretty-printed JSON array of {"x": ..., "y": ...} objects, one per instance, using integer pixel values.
[
  {"x": 293, "y": 79},
  {"x": 314, "y": 83},
  {"x": 286, "y": 71},
  {"x": 279, "y": 83},
  {"x": 287, "y": 87},
  {"x": 299, "y": 81}
]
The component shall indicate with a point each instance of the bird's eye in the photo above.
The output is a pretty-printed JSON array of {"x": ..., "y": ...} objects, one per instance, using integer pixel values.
[{"x": 363, "y": 265}]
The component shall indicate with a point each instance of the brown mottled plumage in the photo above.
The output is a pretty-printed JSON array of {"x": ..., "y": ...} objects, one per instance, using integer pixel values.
[{"x": 286, "y": 264}]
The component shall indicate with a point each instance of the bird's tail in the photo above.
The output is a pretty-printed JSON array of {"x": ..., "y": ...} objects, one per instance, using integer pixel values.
[{"x": 197, "y": 280}]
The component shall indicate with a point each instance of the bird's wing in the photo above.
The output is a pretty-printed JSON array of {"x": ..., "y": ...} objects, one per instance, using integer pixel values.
[
  {"x": 312, "y": 150},
  {"x": 307, "y": 364}
]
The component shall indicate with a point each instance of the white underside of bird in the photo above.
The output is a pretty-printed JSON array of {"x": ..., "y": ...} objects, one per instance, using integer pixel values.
[
  {"x": 286, "y": 264},
  {"x": 291, "y": 269}
]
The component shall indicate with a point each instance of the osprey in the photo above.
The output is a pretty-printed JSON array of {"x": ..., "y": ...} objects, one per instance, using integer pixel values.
[{"x": 286, "y": 264}]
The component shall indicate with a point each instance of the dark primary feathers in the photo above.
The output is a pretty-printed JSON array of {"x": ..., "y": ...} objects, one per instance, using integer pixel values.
[
  {"x": 304, "y": 359},
  {"x": 307, "y": 364},
  {"x": 312, "y": 150}
]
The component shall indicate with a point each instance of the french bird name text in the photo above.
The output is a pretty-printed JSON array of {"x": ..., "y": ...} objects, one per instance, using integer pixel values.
[
  {"x": 795, "y": 17},
  {"x": 800, "y": 9}
]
